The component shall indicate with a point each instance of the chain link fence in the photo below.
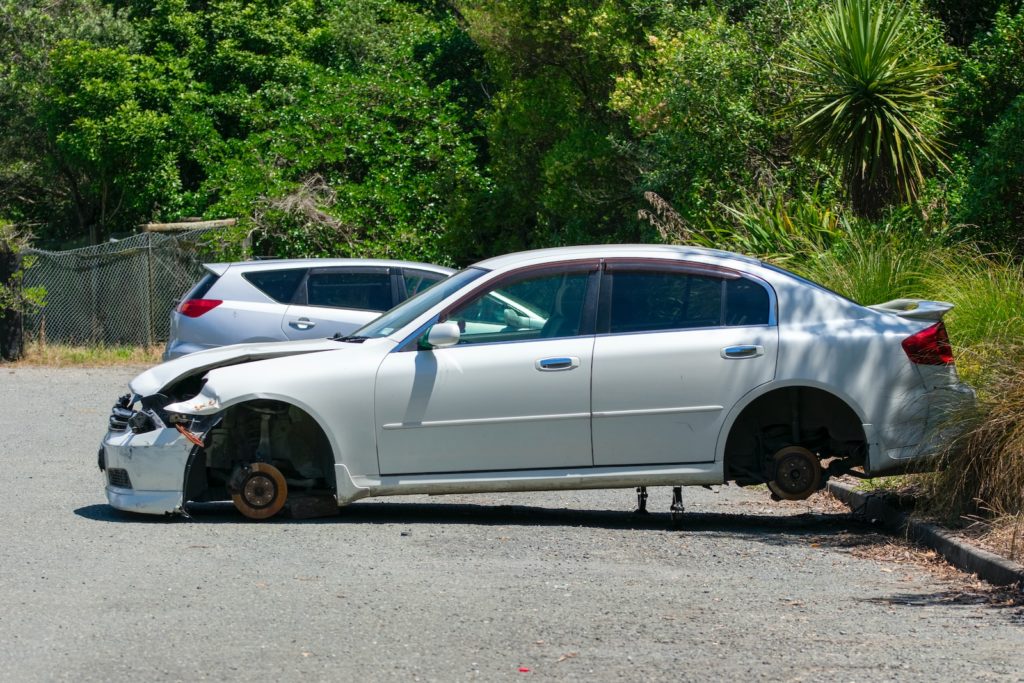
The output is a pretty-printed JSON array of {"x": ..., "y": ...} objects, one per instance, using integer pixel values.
[{"x": 117, "y": 293}]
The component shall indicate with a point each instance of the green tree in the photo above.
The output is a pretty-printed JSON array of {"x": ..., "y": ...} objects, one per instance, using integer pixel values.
[{"x": 868, "y": 95}]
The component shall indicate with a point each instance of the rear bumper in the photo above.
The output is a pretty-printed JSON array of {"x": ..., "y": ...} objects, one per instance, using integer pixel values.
[
  {"x": 177, "y": 349},
  {"x": 935, "y": 427}
]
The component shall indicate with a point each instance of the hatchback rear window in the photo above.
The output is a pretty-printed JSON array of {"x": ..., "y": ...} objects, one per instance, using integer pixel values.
[{"x": 279, "y": 285}]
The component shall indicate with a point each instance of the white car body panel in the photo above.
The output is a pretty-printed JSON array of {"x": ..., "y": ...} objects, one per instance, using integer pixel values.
[
  {"x": 435, "y": 414},
  {"x": 672, "y": 389},
  {"x": 635, "y": 409}
]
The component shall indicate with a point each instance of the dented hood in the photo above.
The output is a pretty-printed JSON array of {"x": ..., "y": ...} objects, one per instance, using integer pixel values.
[{"x": 155, "y": 379}]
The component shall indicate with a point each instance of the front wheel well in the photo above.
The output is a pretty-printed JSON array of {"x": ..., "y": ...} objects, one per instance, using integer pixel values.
[
  {"x": 808, "y": 417},
  {"x": 275, "y": 432}
]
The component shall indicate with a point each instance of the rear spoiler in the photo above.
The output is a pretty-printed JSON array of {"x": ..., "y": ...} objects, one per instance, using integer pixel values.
[
  {"x": 915, "y": 309},
  {"x": 217, "y": 269}
]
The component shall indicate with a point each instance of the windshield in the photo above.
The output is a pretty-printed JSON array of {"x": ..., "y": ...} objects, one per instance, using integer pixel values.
[{"x": 407, "y": 311}]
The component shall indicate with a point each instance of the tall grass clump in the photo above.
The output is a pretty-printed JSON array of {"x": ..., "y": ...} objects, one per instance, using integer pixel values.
[
  {"x": 987, "y": 292},
  {"x": 982, "y": 469},
  {"x": 870, "y": 266}
]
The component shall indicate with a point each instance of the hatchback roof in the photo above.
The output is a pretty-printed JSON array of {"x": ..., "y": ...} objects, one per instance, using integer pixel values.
[{"x": 274, "y": 264}]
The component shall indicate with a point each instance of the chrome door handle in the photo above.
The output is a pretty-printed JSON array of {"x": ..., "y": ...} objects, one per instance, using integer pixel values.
[
  {"x": 742, "y": 351},
  {"x": 554, "y": 364},
  {"x": 302, "y": 324}
]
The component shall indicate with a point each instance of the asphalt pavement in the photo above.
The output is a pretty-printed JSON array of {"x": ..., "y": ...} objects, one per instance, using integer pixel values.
[{"x": 566, "y": 586}]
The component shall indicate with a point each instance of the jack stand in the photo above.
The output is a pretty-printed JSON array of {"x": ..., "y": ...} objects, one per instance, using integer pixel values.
[
  {"x": 677, "y": 509},
  {"x": 641, "y": 500}
]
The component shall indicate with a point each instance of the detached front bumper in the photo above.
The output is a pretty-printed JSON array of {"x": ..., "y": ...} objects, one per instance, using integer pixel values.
[{"x": 145, "y": 472}]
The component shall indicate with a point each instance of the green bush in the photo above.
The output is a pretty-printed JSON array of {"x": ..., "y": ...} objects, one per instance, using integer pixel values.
[{"x": 994, "y": 202}]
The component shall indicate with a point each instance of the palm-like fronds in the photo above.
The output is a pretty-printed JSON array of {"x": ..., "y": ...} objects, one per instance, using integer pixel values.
[{"x": 868, "y": 93}]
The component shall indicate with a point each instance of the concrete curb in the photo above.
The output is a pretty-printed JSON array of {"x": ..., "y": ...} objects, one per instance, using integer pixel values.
[{"x": 874, "y": 508}]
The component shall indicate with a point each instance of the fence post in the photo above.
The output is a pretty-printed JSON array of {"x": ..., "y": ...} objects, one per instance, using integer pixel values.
[
  {"x": 12, "y": 327},
  {"x": 149, "y": 291}
]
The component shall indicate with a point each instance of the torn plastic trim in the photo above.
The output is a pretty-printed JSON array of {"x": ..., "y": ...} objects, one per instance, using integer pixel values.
[{"x": 206, "y": 402}]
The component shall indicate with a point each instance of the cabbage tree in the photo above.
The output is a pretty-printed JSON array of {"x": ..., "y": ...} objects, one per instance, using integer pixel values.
[{"x": 868, "y": 91}]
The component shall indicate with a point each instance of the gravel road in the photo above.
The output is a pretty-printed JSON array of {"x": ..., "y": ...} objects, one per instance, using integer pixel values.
[{"x": 568, "y": 586}]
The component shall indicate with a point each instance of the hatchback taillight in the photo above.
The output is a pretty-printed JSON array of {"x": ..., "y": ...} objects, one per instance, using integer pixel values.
[
  {"x": 193, "y": 308},
  {"x": 930, "y": 346}
]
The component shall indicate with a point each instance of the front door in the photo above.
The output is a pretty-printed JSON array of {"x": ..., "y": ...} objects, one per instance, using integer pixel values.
[{"x": 514, "y": 394}]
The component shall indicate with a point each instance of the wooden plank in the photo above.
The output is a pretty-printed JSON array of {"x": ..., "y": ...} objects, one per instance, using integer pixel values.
[{"x": 189, "y": 225}]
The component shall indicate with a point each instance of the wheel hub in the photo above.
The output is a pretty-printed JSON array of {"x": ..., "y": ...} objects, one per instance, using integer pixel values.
[
  {"x": 259, "y": 490},
  {"x": 797, "y": 473}
]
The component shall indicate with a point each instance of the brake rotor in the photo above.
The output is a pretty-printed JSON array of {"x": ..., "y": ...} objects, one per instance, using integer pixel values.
[
  {"x": 797, "y": 473},
  {"x": 261, "y": 492}
]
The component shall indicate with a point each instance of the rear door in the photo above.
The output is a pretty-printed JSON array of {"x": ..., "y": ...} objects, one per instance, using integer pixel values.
[
  {"x": 339, "y": 300},
  {"x": 678, "y": 346}
]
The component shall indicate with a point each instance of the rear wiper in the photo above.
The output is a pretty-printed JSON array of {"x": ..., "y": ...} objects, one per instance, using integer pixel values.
[{"x": 353, "y": 338}]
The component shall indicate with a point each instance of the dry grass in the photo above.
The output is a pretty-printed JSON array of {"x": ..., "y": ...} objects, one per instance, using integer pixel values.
[
  {"x": 982, "y": 470},
  {"x": 1003, "y": 535},
  {"x": 56, "y": 355}
]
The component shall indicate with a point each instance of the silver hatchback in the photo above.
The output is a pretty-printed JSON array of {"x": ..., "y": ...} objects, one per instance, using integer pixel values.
[{"x": 280, "y": 300}]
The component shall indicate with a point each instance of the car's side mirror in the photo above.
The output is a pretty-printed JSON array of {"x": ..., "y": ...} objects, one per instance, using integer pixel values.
[{"x": 441, "y": 335}]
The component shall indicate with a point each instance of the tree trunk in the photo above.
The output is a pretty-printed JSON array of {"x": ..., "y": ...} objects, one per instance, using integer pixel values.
[{"x": 12, "y": 328}]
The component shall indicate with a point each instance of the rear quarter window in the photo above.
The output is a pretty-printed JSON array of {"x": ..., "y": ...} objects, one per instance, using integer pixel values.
[
  {"x": 279, "y": 285},
  {"x": 203, "y": 286}
]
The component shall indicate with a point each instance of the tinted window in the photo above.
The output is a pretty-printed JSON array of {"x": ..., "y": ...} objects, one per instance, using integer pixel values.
[
  {"x": 544, "y": 306},
  {"x": 746, "y": 303},
  {"x": 418, "y": 280},
  {"x": 202, "y": 287},
  {"x": 279, "y": 285},
  {"x": 339, "y": 289},
  {"x": 651, "y": 300}
]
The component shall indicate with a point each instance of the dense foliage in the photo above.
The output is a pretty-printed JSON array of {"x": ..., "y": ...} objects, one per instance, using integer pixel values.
[{"x": 453, "y": 130}]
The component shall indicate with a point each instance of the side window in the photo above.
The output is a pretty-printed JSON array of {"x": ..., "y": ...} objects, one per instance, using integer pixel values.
[
  {"x": 348, "y": 289},
  {"x": 746, "y": 303},
  {"x": 279, "y": 285},
  {"x": 647, "y": 301},
  {"x": 539, "y": 307},
  {"x": 644, "y": 301},
  {"x": 418, "y": 280}
]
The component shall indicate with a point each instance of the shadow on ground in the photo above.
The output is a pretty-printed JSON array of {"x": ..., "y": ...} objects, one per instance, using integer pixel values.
[{"x": 416, "y": 513}]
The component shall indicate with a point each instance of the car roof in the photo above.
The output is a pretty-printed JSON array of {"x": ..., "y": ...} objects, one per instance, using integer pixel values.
[
  {"x": 275, "y": 264},
  {"x": 663, "y": 251}
]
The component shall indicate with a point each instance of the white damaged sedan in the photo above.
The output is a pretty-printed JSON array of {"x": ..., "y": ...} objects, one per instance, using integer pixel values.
[{"x": 571, "y": 368}]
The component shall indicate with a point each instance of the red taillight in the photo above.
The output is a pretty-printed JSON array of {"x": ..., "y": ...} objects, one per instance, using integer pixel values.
[
  {"x": 193, "y": 308},
  {"x": 930, "y": 346}
]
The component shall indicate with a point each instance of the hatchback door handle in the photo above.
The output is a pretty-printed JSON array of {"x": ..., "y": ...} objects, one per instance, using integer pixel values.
[
  {"x": 554, "y": 364},
  {"x": 742, "y": 351},
  {"x": 302, "y": 324}
]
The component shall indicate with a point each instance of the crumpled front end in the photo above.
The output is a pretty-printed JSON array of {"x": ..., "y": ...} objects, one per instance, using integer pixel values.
[{"x": 144, "y": 457}]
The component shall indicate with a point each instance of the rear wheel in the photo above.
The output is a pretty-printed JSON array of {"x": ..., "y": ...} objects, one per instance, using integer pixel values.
[
  {"x": 259, "y": 490},
  {"x": 797, "y": 473}
]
